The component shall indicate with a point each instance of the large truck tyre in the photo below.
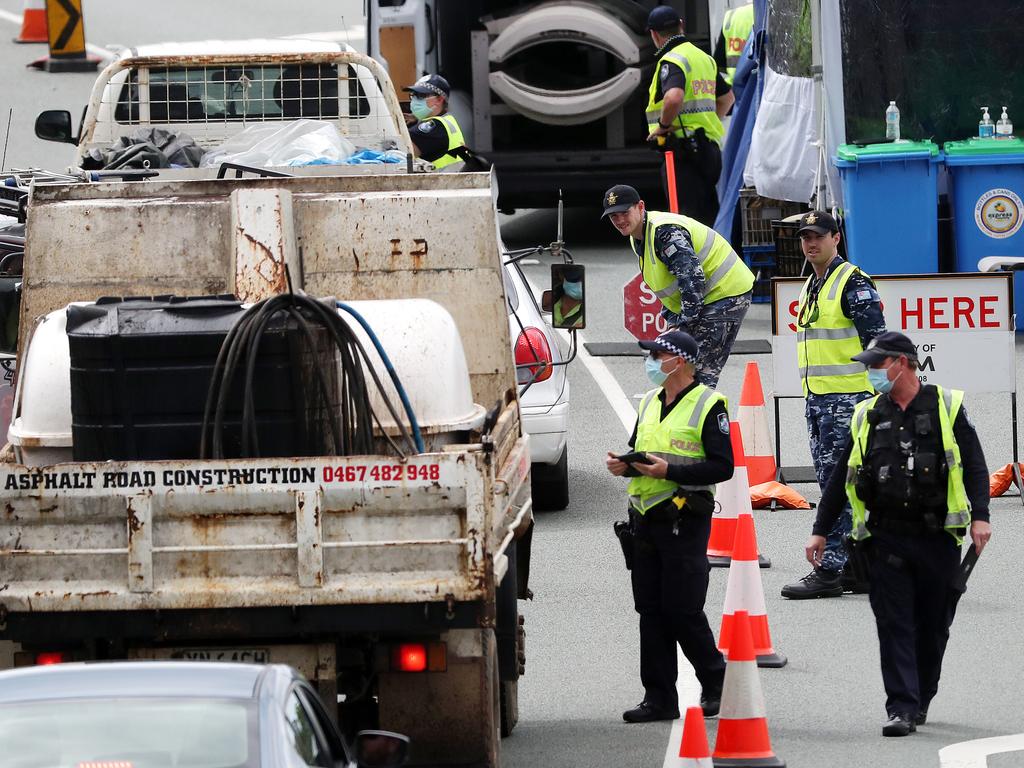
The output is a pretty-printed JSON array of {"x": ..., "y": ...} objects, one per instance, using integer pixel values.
[
  {"x": 550, "y": 484},
  {"x": 511, "y": 643}
]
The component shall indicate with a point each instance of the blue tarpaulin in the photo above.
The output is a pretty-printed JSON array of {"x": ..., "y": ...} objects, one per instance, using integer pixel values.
[{"x": 748, "y": 84}]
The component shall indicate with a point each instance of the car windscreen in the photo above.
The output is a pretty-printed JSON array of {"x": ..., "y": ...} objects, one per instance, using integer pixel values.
[{"x": 141, "y": 733}]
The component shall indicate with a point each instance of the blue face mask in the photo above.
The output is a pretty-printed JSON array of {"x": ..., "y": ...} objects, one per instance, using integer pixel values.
[
  {"x": 879, "y": 379},
  {"x": 654, "y": 372},
  {"x": 573, "y": 290},
  {"x": 419, "y": 108}
]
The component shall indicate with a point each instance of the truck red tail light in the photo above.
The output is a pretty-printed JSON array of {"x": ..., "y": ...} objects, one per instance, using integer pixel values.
[
  {"x": 532, "y": 350},
  {"x": 50, "y": 657},
  {"x": 419, "y": 657}
]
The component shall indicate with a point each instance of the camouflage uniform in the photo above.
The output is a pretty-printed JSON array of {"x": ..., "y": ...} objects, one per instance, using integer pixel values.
[
  {"x": 828, "y": 416},
  {"x": 713, "y": 326}
]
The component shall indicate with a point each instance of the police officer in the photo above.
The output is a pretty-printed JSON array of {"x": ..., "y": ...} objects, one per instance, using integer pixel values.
[
  {"x": 567, "y": 307},
  {"x": 839, "y": 314},
  {"x": 686, "y": 102},
  {"x": 683, "y": 429},
  {"x": 435, "y": 132},
  {"x": 703, "y": 286},
  {"x": 737, "y": 25},
  {"x": 915, "y": 474}
]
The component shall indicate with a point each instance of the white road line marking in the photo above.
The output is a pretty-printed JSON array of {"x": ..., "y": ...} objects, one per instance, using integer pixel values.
[
  {"x": 95, "y": 50},
  {"x": 974, "y": 754},
  {"x": 687, "y": 685}
]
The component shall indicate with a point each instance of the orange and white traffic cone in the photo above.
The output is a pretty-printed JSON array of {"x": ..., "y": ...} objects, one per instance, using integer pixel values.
[
  {"x": 731, "y": 498},
  {"x": 742, "y": 738},
  {"x": 694, "y": 751},
  {"x": 753, "y": 418},
  {"x": 33, "y": 23},
  {"x": 744, "y": 592}
]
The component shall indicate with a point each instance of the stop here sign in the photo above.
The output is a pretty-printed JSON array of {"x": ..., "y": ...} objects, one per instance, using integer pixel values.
[{"x": 641, "y": 310}]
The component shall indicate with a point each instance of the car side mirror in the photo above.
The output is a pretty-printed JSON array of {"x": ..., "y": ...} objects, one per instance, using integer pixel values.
[
  {"x": 546, "y": 301},
  {"x": 381, "y": 749},
  {"x": 567, "y": 296},
  {"x": 55, "y": 125}
]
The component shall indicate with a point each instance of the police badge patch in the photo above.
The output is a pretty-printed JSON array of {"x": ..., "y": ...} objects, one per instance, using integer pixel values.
[
  {"x": 426, "y": 127},
  {"x": 664, "y": 71},
  {"x": 723, "y": 423}
]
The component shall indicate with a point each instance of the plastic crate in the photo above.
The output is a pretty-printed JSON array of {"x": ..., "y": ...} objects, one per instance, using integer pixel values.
[
  {"x": 758, "y": 214},
  {"x": 756, "y": 256},
  {"x": 789, "y": 257}
]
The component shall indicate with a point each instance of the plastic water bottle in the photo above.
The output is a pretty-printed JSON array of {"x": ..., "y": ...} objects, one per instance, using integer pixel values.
[
  {"x": 986, "y": 128},
  {"x": 1004, "y": 128},
  {"x": 892, "y": 122}
]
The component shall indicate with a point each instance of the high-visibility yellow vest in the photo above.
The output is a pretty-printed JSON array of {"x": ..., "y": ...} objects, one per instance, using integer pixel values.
[
  {"x": 826, "y": 339},
  {"x": 736, "y": 28},
  {"x": 571, "y": 318},
  {"x": 677, "y": 440},
  {"x": 958, "y": 508},
  {"x": 698, "y": 108},
  {"x": 725, "y": 274},
  {"x": 455, "y": 139}
]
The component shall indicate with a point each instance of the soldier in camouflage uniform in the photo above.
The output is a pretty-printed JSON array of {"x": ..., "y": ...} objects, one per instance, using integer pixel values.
[
  {"x": 703, "y": 286},
  {"x": 839, "y": 314}
]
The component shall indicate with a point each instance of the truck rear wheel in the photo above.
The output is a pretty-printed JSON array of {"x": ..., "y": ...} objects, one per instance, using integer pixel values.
[{"x": 509, "y": 706}]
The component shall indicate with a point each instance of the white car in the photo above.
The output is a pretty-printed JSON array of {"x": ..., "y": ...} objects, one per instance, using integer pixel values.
[{"x": 543, "y": 392}]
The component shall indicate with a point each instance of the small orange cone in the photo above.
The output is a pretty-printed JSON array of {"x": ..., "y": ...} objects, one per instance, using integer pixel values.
[
  {"x": 731, "y": 498},
  {"x": 753, "y": 419},
  {"x": 33, "y": 23},
  {"x": 744, "y": 592},
  {"x": 694, "y": 751},
  {"x": 742, "y": 738}
]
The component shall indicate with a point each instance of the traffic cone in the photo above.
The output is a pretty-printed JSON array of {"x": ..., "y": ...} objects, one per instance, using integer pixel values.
[
  {"x": 753, "y": 418},
  {"x": 742, "y": 738},
  {"x": 744, "y": 592},
  {"x": 731, "y": 498},
  {"x": 694, "y": 751},
  {"x": 33, "y": 23}
]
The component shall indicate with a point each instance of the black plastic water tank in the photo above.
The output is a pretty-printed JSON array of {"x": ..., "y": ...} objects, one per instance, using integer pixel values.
[{"x": 141, "y": 370}]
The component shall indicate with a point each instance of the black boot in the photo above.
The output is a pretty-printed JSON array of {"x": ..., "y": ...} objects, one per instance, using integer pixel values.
[
  {"x": 646, "y": 712},
  {"x": 818, "y": 583},
  {"x": 900, "y": 724}
]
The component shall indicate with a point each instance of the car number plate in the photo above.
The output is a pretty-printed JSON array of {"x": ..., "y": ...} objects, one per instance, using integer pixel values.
[{"x": 248, "y": 655}]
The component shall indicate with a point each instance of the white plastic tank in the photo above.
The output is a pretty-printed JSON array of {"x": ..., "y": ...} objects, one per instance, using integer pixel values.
[
  {"x": 424, "y": 346},
  {"x": 41, "y": 429}
]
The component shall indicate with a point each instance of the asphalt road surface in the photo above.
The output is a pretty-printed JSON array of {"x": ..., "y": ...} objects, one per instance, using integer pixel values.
[{"x": 826, "y": 707}]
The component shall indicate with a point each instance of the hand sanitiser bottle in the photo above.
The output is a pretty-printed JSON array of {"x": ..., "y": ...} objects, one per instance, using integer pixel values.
[
  {"x": 1004, "y": 128},
  {"x": 892, "y": 122},
  {"x": 986, "y": 128}
]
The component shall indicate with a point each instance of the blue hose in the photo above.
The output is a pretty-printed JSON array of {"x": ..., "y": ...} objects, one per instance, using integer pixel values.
[{"x": 416, "y": 436}]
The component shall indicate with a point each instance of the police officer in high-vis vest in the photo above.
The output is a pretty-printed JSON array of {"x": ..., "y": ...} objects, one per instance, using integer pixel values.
[
  {"x": 914, "y": 472},
  {"x": 703, "y": 286},
  {"x": 682, "y": 430},
  {"x": 687, "y": 100},
  {"x": 838, "y": 315},
  {"x": 435, "y": 133},
  {"x": 737, "y": 25}
]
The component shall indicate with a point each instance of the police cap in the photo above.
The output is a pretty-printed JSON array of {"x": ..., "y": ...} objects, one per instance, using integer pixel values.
[
  {"x": 678, "y": 343},
  {"x": 620, "y": 198},
  {"x": 663, "y": 17},
  {"x": 430, "y": 85},
  {"x": 888, "y": 344},
  {"x": 818, "y": 221}
]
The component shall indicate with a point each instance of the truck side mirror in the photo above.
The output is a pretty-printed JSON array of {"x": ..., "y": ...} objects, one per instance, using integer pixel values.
[
  {"x": 567, "y": 302},
  {"x": 381, "y": 749},
  {"x": 55, "y": 125}
]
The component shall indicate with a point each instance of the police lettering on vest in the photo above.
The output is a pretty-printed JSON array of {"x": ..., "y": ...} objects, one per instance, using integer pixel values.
[
  {"x": 826, "y": 339},
  {"x": 677, "y": 440},
  {"x": 736, "y": 28},
  {"x": 725, "y": 275},
  {"x": 455, "y": 139},
  {"x": 877, "y": 461},
  {"x": 698, "y": 109}
]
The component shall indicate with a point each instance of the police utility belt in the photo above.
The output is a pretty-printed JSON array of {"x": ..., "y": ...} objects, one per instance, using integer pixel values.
[{"x": 683, "y": 503}]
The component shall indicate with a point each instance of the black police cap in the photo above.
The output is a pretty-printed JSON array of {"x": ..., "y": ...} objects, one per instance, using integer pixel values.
[
  {"x": 818, "y": 221},
  {"x": 888, "y": 344},
  {"x": 620, "y": 198},
  {"x": 663, "y": 17}
]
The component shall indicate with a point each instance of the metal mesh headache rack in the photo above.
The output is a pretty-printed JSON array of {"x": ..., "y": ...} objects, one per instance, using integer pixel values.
[{"x": 211, "y": 98}]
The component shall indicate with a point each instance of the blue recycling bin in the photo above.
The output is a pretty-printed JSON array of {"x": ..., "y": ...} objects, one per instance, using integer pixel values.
[
  {"x": 888, "y": 188},
  {"x": 987, "y": 189}
]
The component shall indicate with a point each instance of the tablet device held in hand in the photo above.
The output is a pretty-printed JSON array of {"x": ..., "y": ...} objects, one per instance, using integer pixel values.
[{"x": 634, "y": 457}]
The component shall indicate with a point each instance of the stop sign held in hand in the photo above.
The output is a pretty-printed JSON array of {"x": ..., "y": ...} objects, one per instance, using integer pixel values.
[{"x": 641, "y": 310}]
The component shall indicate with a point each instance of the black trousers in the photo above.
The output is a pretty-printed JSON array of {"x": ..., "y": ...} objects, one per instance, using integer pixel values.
[
  {"x": 698, "y": 164},
  {"x": 670, "y": 585},
  {"x": 914, "y": 602}
]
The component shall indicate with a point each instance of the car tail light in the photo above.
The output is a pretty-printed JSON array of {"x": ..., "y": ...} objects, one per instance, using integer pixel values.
[
  {"x": 50, "y": 657},
  {"x": 419, "y": 657},
  {"x": 532, "y": 350}
]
